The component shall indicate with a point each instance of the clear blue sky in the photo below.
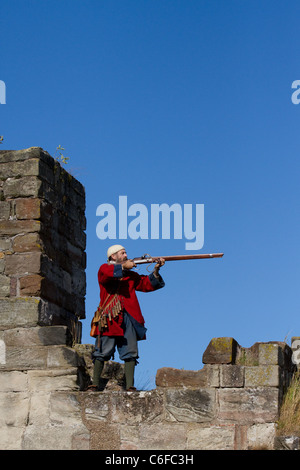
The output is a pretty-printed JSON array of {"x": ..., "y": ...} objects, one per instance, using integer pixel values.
[{"x": 171, "y": 101}]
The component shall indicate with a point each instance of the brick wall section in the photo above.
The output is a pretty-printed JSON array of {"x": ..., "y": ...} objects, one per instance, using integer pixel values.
[{"x": 42, "y": 242}]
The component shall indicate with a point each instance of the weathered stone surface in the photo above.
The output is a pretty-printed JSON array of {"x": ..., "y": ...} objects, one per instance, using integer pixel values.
[
  {"x": 261, "y": 436},
  {"x": 232, "y": 376},
  {"x": 212, "y": 437},
  {"x": 24, "y": 263},
  {"x": 14, "y": 408},
  {"x": 42, "y": 235},
  {"x": 262, "y": 376},
  {"x": 39, "y": 357},
  {"x": 28, "y": 208},
  {"x": 25, "y": 154},
  {"x": 270, "y": 354},
  {"x": 221, "y": 351},
  {"x": 190, "y": 405},
  {"x": 22, "y": 187},
  {"x": 36, "y": 336},
  {"x": 53, "y": 380},
  {"x": 31, "y": 284},
  {"x": 53, "y": 437},
  {"x": 4, "y": 286},
  {"x": 136, "y": 408},
  {"x": 4, "y": 210},
  {"x": 15, "y": 227},
  {"x": 97, "y": 406},
  {"x": 170, "y": 377},
  {"x": 27, "y": 242},
  {"x": 248, "y": 356},
  {"x": 166, "y": 436},
  {"x": 248, "y": 405},
  {"x": 13, "y": 381},
  {"x": 19, "y": 312}
]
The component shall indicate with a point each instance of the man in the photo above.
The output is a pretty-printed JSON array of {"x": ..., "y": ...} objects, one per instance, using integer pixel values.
[{"x": 121, "y": 324}]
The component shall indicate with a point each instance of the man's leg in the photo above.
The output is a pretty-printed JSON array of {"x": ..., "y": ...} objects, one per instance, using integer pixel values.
[
  {"x": 104, "y": 349},
  {"x": 128, "y": 351},
  {"x": 129, "y": 373}
]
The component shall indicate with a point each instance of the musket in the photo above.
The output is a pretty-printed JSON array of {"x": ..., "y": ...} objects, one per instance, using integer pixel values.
[{"x": 153, "y": 259}]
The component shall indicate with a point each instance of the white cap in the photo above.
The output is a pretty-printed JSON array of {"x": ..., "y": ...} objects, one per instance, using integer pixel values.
[{"x": 114, "y": 249}]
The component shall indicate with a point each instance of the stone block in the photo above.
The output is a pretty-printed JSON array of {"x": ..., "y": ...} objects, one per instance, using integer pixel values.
[
  {"x": 23, "y": 263},
  {"x": 221, "y": 351},
  {"x": 96, "y": 406},
  {"x": 62, "y": 356},
  {"x": 22, "y": 187},
  {"x": 232, "y": 375},
  {"x": 27, "y": 242},
  {"x": 14, "y": 408},
  {"x": 5, "y": 244},
  {"x": 190, "y": 405},
  {"x": 170, "y": 377},
  {"x": 4, "y": 210},
  {"x": 261, "y": 436},
  {"x": 52, "y": 436},
  {"x": 13, "y": 381},
  {"x": 262, "y": 376},
  {"x": 141, "y": 407},
  {"x": 270, "y": 354},
  {"x": 212, "y": 437},
  {"x": 248, "y": 405},
  {"x": 40, "y": 357},
  {"x": 31, "y": 285},
  {"x": 165, "y": 436},
  {"x": 52, "y": 380},
  {"x": 36, "y": 336},
  {"x": 18, "y": 169},
  {"x": 24, "y": 358},
  {"x": 8, "y": 156},
  {"x": 11, "y": 437},
  {"x": 28, "y": 208},
  {"x": 248, "y": 356},
  {"x": 19, "y": 312},
  {"x": 15, "y": 227},
  {"x": 4, "y": 286},
  {"x": 2, "y": 263}
]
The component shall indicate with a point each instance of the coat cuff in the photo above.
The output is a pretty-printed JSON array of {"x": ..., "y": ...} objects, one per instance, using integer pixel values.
[
  {"x": 157, "y": 282},
  {"x": 118, "y": 272}
]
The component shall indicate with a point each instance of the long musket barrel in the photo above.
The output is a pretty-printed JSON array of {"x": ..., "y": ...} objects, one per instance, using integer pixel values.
[{"x": 152, "y": 259}]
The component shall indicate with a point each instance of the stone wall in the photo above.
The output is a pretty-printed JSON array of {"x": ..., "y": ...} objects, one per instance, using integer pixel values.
[
  {"x": 42, "y": 243},
  {"x": 42, "y": 291},
  {"x": 231, "y": 403}
]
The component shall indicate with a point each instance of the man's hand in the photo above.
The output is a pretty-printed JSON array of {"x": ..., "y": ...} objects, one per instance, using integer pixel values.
[
  {"x": 128, "y": 264},
  {"x": 160, "y": 262}
]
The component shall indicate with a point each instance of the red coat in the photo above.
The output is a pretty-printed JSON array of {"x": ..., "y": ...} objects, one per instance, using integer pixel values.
[{"x": 110, "y": 279}]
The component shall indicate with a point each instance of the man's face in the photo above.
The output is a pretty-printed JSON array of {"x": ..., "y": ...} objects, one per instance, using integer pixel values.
[{"x": 120, "y": 256}]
